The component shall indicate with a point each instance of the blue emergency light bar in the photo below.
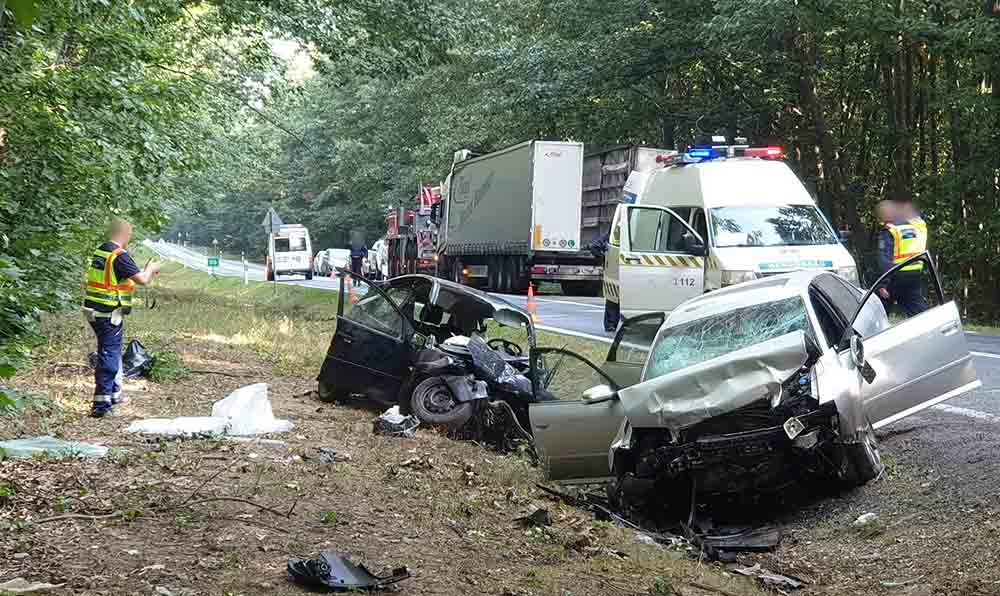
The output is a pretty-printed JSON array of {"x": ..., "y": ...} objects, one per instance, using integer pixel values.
[{"x": 702, "y": 154}]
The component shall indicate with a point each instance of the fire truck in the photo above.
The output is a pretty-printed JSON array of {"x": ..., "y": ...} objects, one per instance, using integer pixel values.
[{"x": 411, "y": 235}]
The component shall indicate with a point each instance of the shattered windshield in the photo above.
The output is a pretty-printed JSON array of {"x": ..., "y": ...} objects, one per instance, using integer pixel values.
[
  {"x": 704, "y": 339},
  {"x": 788, "y": 225}
]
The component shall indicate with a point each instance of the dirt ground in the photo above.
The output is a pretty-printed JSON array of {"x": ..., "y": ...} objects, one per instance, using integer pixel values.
[
  {"x": 220, "y": 517},
  {"x": 188, "y": 517}
]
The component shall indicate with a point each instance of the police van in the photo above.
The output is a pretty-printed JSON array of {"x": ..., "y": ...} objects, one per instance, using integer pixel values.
[{"x": 713, "y": 217}]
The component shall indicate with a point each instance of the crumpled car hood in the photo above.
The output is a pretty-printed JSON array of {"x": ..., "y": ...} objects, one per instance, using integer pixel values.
[{"x": 683, "y": 398}]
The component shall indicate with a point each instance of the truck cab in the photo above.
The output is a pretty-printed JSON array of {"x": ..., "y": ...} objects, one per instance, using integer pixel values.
[{"x": 710, "y": 218}]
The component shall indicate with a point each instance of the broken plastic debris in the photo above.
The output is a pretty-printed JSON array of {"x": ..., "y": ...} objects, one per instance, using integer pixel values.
[
  {"x": 327, "y": 455},
  {"x": 394, "y": 424},
  {"x": 865, "y": 519},
  {"x": 340, "y": 574},
  {"x": 50, "y": 446},
  {"x": 246, "y": 411},
  {"x": 20, "y": 585},
  {"x": 537, "y": 518},
  {"x": 769, "y": 578}
]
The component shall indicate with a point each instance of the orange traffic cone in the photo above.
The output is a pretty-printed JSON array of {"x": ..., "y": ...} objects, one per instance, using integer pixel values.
[
  {"x": 352, "y": 295},
  {"x": 531, "y": 305}
]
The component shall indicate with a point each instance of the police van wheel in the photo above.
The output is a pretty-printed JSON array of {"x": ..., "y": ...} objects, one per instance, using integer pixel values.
[{"x": 309, "y": 275}]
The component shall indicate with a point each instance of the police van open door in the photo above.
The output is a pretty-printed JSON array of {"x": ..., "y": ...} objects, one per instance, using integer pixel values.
[{"x": 655, "y": 260}]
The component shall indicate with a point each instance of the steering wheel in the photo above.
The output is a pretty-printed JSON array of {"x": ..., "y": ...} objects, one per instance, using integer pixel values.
[{"x": 505, "y": 345}]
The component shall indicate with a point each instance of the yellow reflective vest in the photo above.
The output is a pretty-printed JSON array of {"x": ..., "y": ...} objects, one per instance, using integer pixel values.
[
  {"x": 909, "y": 239},
  {"x": 103, "y": 286}
]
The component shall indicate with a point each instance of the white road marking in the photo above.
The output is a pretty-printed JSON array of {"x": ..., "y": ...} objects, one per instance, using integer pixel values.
[
  {"x": 968, "y": 413},
  {"x": 551, "y": 301},
  {"x": 985, "y": 355}
]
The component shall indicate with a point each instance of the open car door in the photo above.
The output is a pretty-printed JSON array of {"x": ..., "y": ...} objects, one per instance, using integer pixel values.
[
  {"x": 370, "y": 351},
  {"x": 572, "y": 437},
  {"x": 661, "y": 263},
  {"x": 913, "y": 364}
]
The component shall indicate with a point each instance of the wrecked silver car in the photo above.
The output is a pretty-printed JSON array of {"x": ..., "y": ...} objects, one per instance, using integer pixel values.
[
  {"x": 746, "y": 390},
  {"x": 424, "y": 344}
]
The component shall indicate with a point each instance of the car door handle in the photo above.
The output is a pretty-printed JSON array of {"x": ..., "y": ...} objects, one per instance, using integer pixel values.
[
  {"x": 541, "y": 426},
  {"x": 949, "y": 329},
  {"x": 633, "y": 260}
]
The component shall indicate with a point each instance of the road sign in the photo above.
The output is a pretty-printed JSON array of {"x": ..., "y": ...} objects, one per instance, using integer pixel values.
[
  {"x": 213, "y": 261},
  {"x": 271, "y": 221}
]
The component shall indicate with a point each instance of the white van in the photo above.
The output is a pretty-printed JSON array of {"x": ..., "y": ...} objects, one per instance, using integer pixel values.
[
  {"x": 289, "y": 252},
  {"x": 711, "y": 218}
]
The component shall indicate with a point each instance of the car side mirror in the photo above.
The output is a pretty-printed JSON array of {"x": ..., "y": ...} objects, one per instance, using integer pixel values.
[
  {"x": 693, "y": 245},
  {"x": 599, "y": 394},
  {"x": 857, "y": 349}
]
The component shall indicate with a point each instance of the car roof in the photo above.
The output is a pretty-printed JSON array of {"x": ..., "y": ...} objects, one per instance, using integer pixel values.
[
  {"x": 759, "y": 291},
  {"x": 493, "y": 302}
]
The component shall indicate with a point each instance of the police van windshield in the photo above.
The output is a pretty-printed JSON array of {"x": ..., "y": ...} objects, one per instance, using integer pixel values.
[{"x": 773, "y": 225}]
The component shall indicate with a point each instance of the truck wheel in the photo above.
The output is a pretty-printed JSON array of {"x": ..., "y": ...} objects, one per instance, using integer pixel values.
[
  {"x": 456, "y": 272},
  {"x": 508, "y": 274},
  {"x": 433, "y": 403},
  {"x": 522, "y": 277},
  {"x": 494, "y": 275}
]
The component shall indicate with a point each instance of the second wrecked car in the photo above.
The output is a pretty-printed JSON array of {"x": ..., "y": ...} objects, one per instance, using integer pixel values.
[
  {"x": 747, "y": 390},
  {"x": 420, "y": 342}
]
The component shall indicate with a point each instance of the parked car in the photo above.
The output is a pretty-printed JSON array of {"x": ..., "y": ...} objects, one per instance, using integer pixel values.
[
  {"x": 336, "y": 258},
  {"x": 745, "y": 390},
  {"x": 319, "y": 262},
  {"x": 417, "y": 328}
]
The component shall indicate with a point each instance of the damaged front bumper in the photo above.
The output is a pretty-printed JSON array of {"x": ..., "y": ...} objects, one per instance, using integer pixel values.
[{"x": 750, "y": 462}]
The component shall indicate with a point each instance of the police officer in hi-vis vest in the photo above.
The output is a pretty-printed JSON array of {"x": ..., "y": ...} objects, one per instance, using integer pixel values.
[
  {"x": 111, "y": 280},
  {"x": 904, "y": 235}
]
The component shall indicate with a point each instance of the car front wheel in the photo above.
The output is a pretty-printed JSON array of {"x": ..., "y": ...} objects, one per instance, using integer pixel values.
[
  {"x": 862, "y": 461},
  {"x": 432, "y": 402}
]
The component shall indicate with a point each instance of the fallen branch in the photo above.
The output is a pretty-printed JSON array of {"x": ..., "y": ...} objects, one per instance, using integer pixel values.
[
  {"x": 46, "y": 520},
  {"x": 709, "y": 588},
  {"x": 218, "y": 372},
  {"x": 211, "y": 478},
  {"x": 245, "y": 502}
]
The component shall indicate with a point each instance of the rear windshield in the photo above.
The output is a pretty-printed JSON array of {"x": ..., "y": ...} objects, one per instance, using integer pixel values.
[
  {"x": 291, "y": 244},
  {"x": 785, "y": 225},
  {"x": 711, "y": 337}
]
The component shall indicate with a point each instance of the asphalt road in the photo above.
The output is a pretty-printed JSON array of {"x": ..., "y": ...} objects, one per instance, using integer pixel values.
[{"x": 583, "y": 316}]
